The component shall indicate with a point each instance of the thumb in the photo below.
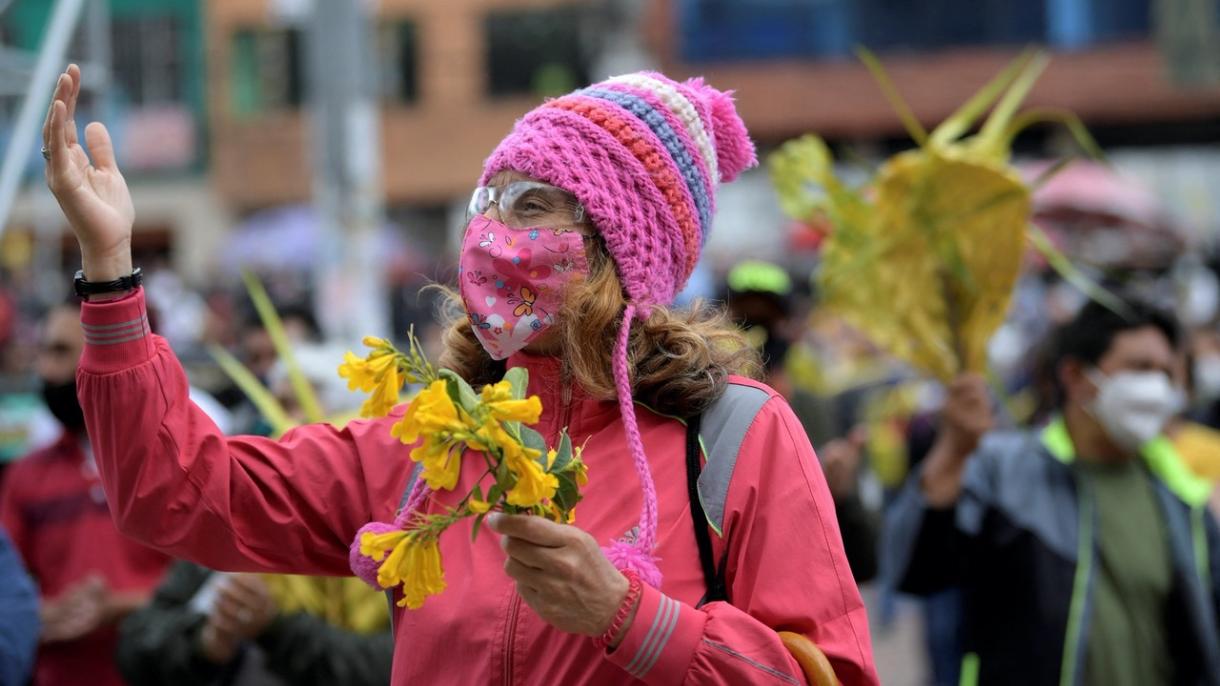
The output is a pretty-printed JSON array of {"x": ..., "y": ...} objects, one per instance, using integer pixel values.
[{"x": 101, "y": 149}]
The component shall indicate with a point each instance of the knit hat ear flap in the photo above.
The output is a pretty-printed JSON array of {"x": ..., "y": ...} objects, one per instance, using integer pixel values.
[
  {"x": 636, "y": 554},
  {"x": 734, "y": 150}
]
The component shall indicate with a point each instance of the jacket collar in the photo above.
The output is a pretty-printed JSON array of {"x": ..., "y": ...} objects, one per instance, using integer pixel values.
[{"x": 1159, "y": 455}]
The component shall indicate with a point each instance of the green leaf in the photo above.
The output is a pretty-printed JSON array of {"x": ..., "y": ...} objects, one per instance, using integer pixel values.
[
  {"x": 1000, "y": 118},
  {"x": 568, "y": 493},
  {"x": 1061, "y": 264},
  {"x": 1049, "y": 173},
  {"x": 283, "y": 347},
  {"x": 533, "y": 439},
  {"x": 460, "y": 391},
  {"x": 477, "y": 493},
  {"x": 519, "y": 379},
  {"x": 504, "y": 479},
  {"x": 1077, "y": 129},
  {"x": 263, "y": 399},
  {"x": 961, "y": 121},
  {"x": 563, "y": 454},
  {"x": 890, "y": 91},
  {"x": 478, "y": 524}
]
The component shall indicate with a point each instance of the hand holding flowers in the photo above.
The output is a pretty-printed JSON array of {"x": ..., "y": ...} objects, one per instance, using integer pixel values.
[{"x": 448, "y": 422}]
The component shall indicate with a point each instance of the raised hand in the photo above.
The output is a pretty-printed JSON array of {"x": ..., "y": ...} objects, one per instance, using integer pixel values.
[
  {"x": 93, "y": 197},
  {"x": 965, "y": 419}
]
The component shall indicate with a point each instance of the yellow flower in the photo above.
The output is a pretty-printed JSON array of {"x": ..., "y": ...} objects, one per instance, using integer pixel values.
[
  {"x": 498, "y": 398},
  {"x": 478, "y": 505},
  {"x": 375, "y": 545},
  {"x": 364, "y": 374},
  {"x": 421, "y": 572},
  {"x": 491, "y": 435},
  {"x": 385, "y": 395},
  {"x": 582, "y": 473},
  {"x": 533, "y": 484},
  {"x": 442, "y": 462},
  {"x": 375, "y": 343},
  {"x": 390, "y": 573},
  {"x": 431, "y": 411},
  {"x": 414, "y": 561}
]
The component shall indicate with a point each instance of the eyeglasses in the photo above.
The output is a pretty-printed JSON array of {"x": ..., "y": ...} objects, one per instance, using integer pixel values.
[{"x": 525, "y": 204}]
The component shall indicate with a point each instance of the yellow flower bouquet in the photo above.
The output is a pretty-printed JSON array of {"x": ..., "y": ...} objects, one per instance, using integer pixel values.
[{"x": 449, "y": 422}]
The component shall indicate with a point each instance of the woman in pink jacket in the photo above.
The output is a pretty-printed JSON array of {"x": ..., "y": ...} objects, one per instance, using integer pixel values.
[{"x": 588, "y": 219}]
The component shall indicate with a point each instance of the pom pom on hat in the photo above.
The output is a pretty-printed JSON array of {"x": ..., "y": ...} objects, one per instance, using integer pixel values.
[{"x": 734, "y": 149}]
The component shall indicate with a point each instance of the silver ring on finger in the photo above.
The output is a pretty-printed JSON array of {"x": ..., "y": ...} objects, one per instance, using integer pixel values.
[{"x": 46, "y": 154}]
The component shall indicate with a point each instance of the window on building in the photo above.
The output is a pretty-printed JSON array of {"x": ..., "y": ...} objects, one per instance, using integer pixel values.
[
  {"x": 732, "y": 30},
  {"x": 397, "y": 57},
  {"x": 892, "y": 25},
  {"x": 267, "y": 70},
  {"x": 147, "y": 59},
  {"x": 729, "y": 29},
  {"x": 536, "y": 52}
]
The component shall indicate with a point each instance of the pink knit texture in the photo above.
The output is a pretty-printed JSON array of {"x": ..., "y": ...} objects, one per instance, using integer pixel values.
[
  {"x": 734, "y": 151},
  {"x": 364, "y": 566},
  {"x": 419, "y": 491},
  {"x": 579, "y": 148},
  {"x": 634, "y": 555}
]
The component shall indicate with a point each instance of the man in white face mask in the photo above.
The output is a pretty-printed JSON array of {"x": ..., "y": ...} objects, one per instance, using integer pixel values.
[{"x": 1085, "y": 549}]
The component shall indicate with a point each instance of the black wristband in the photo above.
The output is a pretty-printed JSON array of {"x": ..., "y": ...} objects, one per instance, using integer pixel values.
[{"x": 85, "y": 289}]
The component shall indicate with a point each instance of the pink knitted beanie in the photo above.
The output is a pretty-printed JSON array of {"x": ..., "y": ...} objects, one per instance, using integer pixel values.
[{"x": 643, "y": 154}]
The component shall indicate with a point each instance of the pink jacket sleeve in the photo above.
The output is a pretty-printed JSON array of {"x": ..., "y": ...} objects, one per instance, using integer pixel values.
[
  {"x": 176, "y": 483},
  {"x": 786, "y": 572}
]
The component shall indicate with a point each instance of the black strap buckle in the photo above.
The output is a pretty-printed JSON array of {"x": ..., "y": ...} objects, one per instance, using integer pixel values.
[{"x": 85, "y": 288}]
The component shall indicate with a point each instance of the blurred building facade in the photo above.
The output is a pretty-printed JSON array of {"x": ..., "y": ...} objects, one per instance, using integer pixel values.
[
  {"x": 149, "y": 88},
  {"x": 1134, "y": 70},
  {"x": 208, "y": 100},
  {"x": 454, "y": 74}
]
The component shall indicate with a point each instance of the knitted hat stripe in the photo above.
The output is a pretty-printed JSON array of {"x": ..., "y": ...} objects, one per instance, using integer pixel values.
[
  {"x": 676, "y": 125},
  {"x": 683, "y": 110},
  {"x": 690, "y": 175},
  {"x": 635, "y": 137},
  {"x": 673, "y": 144}
]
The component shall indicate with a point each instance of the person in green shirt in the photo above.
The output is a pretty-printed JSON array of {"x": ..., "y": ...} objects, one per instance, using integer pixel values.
[{"x": 1085, "y": 550}]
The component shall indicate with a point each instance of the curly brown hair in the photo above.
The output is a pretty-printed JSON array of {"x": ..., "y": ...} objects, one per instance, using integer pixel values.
[{"x": 679, "y": 360}]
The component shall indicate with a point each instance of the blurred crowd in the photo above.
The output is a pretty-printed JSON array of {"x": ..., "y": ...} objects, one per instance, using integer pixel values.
[{"x": 893, "y": 445}]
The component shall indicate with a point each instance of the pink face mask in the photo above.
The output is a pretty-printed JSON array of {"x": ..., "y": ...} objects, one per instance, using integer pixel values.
[{"x": 513, "y": 281}]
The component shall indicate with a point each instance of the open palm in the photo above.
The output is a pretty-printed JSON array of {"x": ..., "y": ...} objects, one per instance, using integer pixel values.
[{"x": 93, "y": 197}]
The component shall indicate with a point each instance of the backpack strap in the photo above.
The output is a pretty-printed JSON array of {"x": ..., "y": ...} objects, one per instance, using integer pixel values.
[
  {"x": 713, "y": 574},
  {"x": 726, "y": 421}
]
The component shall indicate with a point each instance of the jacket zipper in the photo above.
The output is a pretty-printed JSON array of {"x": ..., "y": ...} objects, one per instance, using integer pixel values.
[
  {"x": 565, "y": 397},
  {"x": 510, "y": 639},
  {"x": 514, "y": 610},
  {"x": 1080, "y": 589}
]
